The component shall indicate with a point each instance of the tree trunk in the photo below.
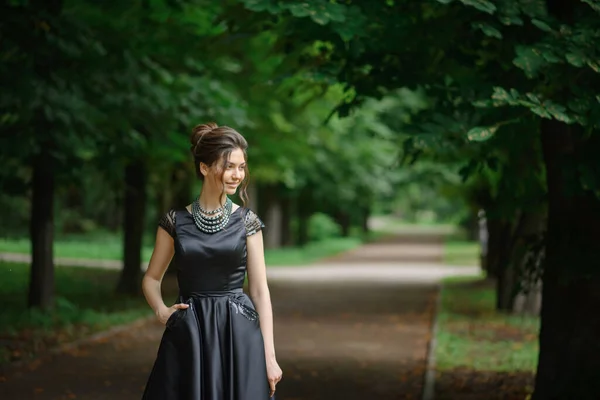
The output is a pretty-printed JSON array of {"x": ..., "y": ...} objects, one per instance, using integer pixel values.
[
  {"x": 41, "y": 224},
  {"x": 181, "y": 186},
  {"x": 505, "y": 287},
  {"x": 529, "y": 302},
  {"x": 343, "y": 220},
  {"x": 497, "y": 259},
  {"x": 527, "y": 297},
  {"x": 286, "y": 238},
  {"x": 252, "y": 192},
  {"x": 569, "y": 360},
  {"x": 273, "y": 218},
  {"x": 41, "y": 230},
  {"x": 304, "y": 210},
  {"x": 366, "y": 213},
  {"x": 513, "y": 276},
  {"x": 179, "y": 195},
  {"x": 496, "y": 245},
  {"x": 133, "y": 227},
  {"x": 270, "y": 212}
]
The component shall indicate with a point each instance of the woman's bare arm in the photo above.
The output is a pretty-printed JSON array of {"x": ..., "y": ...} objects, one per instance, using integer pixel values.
[
  {"x": 151, "y": 284},
  {"x": 259, "y": 290},
  {"x": 261, "y": 297}
]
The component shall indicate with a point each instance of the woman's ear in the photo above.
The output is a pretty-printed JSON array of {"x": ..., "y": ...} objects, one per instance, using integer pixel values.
[{"x": 203, "y": 169}]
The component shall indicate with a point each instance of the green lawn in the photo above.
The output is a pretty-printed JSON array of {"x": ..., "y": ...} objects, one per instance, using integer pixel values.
[
  {"x": 312, "y": 252},
  {"x": 472, "y": 335},
  {"x": 461, "y": 252},
  {"x": 99, "y": 247},
  {"x": 110, "y": 248}
]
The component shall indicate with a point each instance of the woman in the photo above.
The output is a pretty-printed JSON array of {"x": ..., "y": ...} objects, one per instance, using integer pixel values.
[{"x": 215, "y": 345}]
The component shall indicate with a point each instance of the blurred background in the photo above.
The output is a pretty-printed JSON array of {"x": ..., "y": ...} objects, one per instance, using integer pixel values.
[{"x": 400, "y": 122}]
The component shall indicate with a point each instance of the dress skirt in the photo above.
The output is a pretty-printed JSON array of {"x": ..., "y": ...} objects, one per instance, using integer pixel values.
[{"x": 212, "y": 350}]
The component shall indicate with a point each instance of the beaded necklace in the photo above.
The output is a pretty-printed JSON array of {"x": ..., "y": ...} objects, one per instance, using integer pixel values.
[{"x": 210, "y": 221}]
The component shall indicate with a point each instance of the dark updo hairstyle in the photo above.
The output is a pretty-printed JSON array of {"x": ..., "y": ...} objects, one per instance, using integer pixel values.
[{"x": 212, "y": 143}]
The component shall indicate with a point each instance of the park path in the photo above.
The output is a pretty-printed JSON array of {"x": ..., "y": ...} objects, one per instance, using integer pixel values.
[{"x": 352, "y": 327}]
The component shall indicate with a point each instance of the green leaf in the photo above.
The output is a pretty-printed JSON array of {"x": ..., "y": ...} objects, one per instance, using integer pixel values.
[
  {"x": 510, "y": 20},
  {"x": 262, "y": 5},
  {"x": 481, "y": 133},
  {"x": 481, "y": 5},
  {"x": 534, "y": 8},
  {"x": 488, "y": 29},
  {"x": 558, "y": 111},
  {"x": 579, "y": 105},
  {"x": 577, "y": 60},
  {"x": 501, "y": 94},
  {"x": 595, "y": 65},
  {"x": 320, "y": 12},
  {"x": 542, "y": 25},
  {"x": 529, "y": 60},
  {"x": 595, "y": 4},
  {"x": 300, "y": 10},
  {"x": 353, "y": 25},
  {"x": 541, "y": 111}
]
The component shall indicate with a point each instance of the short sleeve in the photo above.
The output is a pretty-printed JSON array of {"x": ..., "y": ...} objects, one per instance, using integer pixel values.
[
  {"x": 167, "y": 222},
  {"x": 253, "y": 223}
]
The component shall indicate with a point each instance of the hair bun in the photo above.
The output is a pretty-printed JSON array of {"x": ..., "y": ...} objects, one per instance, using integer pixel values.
[{"x": 201, "y": 130}]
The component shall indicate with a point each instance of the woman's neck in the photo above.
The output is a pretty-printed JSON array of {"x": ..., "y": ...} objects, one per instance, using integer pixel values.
[{"x": 211, "y": 201}]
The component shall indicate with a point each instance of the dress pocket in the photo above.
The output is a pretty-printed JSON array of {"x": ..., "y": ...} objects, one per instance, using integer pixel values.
[
  {"x": 177, "y": 316},
  {"x": 172, "y": 318},
  {"x": 240, "y": 308}
]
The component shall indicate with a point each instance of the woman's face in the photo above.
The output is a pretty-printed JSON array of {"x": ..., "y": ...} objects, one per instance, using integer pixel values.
[{"x": 233, "y": 172}]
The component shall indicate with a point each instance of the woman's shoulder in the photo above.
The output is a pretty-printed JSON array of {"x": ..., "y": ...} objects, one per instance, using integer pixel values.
[
  {"x": 167, "y": 222},
  {"x": 252, "y": 221}
]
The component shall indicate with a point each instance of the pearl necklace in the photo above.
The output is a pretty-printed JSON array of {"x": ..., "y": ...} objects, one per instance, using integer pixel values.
[{"x": 212, "y": 223}]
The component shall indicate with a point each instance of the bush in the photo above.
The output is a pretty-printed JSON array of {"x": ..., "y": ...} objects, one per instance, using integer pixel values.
[{"x": 322, "y": 226}]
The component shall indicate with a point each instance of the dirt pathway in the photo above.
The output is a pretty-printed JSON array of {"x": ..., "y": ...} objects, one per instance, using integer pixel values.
[{"x": 344, "y": 330}]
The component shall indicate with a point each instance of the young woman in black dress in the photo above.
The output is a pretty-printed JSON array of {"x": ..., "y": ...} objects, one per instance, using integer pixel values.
[{"x": 218, "y": 342}]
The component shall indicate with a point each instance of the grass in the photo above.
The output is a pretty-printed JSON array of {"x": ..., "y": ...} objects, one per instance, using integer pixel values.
[
  {"x": 473, "y": 335},
  {"x": 461, "y": 252},
  {"x": 109, "y": 247},
  {"x": 86, "y": 303},
  {"x": 105, "y": 247},
  {"x": 311, "y": 253}
]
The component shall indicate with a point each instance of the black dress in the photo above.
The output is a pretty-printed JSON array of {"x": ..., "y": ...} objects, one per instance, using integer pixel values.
[{"x": 214, "y": 349}]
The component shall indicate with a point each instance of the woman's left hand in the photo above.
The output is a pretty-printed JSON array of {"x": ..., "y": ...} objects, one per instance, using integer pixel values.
[{"x": 274, "y": 375}]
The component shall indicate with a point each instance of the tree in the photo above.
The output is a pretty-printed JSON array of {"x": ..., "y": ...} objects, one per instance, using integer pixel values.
[{"x": 529, "y": 61}]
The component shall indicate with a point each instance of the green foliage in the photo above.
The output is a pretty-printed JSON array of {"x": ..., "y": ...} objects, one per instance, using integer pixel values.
[
  {"x": 481, "y": 133},
  {"x": 487, "y": 69},
  {"x": 347, "y": 21},
  {"x": 321, "y": 227}
]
